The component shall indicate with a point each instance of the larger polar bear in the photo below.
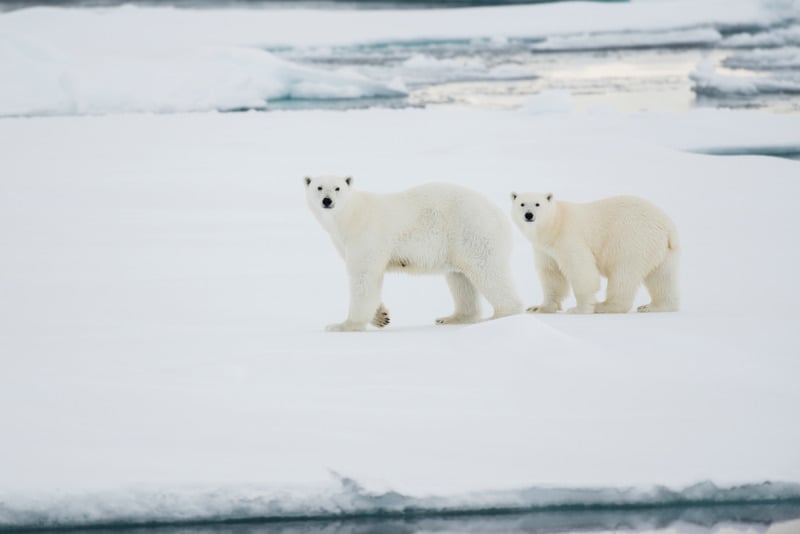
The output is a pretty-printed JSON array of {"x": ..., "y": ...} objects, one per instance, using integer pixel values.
[
  {"x": 434, "y": 228},
  {"x": 626, "y": 239}
]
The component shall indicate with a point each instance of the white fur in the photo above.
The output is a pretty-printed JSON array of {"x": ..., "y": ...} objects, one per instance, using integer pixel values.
[
  {"x": 434, "y": 228},
  {"x": 626, "y": 239}
]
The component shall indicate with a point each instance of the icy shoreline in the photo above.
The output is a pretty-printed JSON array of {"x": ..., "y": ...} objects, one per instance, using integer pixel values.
[{"x": 226, "y": 505}]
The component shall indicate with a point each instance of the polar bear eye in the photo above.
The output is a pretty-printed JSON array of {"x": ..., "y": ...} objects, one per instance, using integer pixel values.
[
  {"x": 537, "y": 204},
  {"x": 337, "y": 188},
  {"x": 319, "y": 188},
  {"x": 522, "y": 205}
]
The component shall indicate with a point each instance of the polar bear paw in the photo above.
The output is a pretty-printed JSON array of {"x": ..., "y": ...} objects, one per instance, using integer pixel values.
[
  {"x": 381, "y": 318},
  {"x": 655, "y": 308},
  {"x": 610, "y": 307},
  {"x": 346, "y": 326},
  {"x": 582, "y": 309},
  {"x": 547, "y": 307},
  {"x": 458, "y": 319}
]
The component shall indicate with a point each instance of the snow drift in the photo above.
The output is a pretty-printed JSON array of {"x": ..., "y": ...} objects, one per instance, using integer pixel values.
[{"x": 36, "y": 79}]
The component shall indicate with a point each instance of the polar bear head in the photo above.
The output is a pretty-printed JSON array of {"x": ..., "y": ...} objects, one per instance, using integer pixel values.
[
  {"x": 530, "y": 208},
  {"x": 327, "y": 194}
]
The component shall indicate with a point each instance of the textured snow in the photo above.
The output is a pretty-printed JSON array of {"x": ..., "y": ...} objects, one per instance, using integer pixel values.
[
  {"x": 770, "y": 59},
  {"x": 41, "y": 80},
  {"x": 280, "y": 27},
  {"x": 614, "y": 40},
  {"x": 776, "y": 37}
]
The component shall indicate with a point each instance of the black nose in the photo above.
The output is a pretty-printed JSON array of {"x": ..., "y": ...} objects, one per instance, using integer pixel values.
[
  {"x": 327, "y": 202},
  {"x": 528, "y": 216}
]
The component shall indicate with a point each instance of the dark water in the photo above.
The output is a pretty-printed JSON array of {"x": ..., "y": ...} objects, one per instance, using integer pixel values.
[
  {"x": 766, "y": 518},
  {"x": 470, "y": 74}
]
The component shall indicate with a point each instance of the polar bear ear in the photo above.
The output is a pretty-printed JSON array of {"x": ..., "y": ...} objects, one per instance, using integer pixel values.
[
  {"x": 348, "y": 180},
  {"x": 513, "y": 196},
  {"x": 549, "y": 197},
  {"x": 307, "y": 179}
]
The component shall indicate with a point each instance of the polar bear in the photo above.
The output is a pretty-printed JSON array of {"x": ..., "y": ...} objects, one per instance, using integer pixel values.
[
  {"x": 626, "y": 239},
  {"x": 433, "y": 228}
]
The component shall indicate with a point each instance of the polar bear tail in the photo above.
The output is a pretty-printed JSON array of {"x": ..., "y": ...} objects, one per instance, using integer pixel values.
[
  {"x": 662, "y": 283},
  {"x": 673, "y": 243}
]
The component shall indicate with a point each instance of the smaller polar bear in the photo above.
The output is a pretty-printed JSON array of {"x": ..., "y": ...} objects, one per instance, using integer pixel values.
[
  {"x": 626, "y": 239},
  {"x": 434, "y": 228}
]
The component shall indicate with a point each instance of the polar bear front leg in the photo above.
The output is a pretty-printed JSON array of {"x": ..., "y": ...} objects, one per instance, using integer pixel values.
[
  {"x": 365, "y": 297},
  {"x": 580, "y": 269},
  {"x": 554, "y": 286}
]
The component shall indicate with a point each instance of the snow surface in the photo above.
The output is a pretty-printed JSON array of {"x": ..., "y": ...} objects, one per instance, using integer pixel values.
[
  {"x": 61, "y": 61},
  {"x": 165, "y": 290}
]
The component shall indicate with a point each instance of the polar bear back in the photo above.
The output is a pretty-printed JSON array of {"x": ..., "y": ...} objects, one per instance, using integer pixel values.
[
  {"x": 621, "y": 226},
  {"x": 458, "y": 210},
  {"x": 434, "y": 227}
]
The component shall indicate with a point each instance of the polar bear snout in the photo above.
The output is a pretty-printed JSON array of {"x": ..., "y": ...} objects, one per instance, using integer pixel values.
[
  {"x": 529, "y": 216},
  {"x": 327, "y": 203}
]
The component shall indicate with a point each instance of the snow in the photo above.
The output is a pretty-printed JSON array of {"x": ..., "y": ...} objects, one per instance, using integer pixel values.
[
  {"x": 37, "y": 80},
  {"x": 165, "y": 291},
  {"x": 770, "y": 59},
  {"x": 77, "y": 29},
  {"x": 548, "y": 102},
  {"x": 708, "y": 82},
  {"x": 61, "y": 61},
  {"x": 776, "y": 37},
  {"x": 345, "y": 497}
]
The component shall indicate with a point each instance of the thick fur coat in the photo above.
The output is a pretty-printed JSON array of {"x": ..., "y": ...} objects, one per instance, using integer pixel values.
[{"x": 430, "y": 229}]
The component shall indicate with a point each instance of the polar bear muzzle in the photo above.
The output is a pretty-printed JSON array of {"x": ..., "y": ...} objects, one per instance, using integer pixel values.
[
  {"x": 327, "y": 203},
  {"x": 529, "y": 216}
]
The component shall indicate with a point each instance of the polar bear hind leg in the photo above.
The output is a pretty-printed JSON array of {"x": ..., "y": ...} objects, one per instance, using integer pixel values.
[
  {"x": 466, "y": 299},
  {"x": 662, "y": 284},
  {"x": 495, "y": 282},
  {"x": 635, "y": 257}
]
